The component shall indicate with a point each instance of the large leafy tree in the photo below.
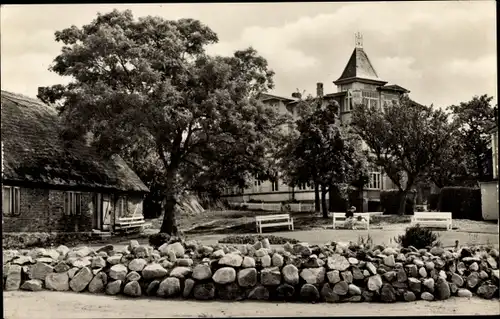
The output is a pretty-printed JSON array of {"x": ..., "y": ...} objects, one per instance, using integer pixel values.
[
  {"x": 322, "y": 151},
  {"x": 404, "y": 138},
  {"x": 474, "y": 119},
  {"x": 149, "y": 82}
]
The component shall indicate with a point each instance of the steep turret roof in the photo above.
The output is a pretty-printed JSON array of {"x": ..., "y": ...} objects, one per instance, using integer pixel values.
[{"x": 359, "y": 67}]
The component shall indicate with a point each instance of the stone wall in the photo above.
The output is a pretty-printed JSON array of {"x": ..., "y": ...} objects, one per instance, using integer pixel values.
[{"x": 330, "y": 273}]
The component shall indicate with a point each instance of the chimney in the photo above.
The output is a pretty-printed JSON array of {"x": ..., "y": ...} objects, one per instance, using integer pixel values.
[
  {"x": 319, "y": 89},
  {"x": 296, "y": 95}
]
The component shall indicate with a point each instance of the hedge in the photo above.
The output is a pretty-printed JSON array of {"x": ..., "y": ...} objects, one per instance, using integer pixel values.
[
  {"x": 462, "y": 202},
  {"x": 389, "y": 201}
]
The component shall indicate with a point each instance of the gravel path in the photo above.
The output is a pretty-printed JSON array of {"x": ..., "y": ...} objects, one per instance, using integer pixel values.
[{"x": 48, "y": 304}]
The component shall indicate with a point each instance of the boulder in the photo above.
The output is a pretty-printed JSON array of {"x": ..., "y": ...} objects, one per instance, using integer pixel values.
[
  {"x": 154, "y": 271},
  {"x": 409, "y": 296},
  {"x": 265, "y": 261},
  {"x": 357, "y": 274},
  {"x": 353, "y": 261},
  {"x": 461, "y": 268},
  {"x": 389, "y": 261},
  {"x": 427, "y": 296},
  {"x": 302, "y": 249},
  {"x": 118, "y": 272},
  {"x": 457, "y": 280},
  {"x": 98, "y": 262},
  {"x": 374, "y": 283},
  {"x": 390, "y": 275},
  {"x": 354, "y": 290},
  {"x": 184, "y": 262},
  {"x": 347, "y": 276},
  {"x": 464, "y": 293},
  {"x": 314, "y": 276},
  {"x": 81, "y": 262},
  {"x": 290, "y": 274},
  {"x": 153, "y": 287},
  {"x": 62, "y": 250},
  {"x": 177, "y": 248},
  {"x": 474, "y": 267},
  {"x": 137, "y": 264},
  {"x": 309, "y": 293},
  {"x": 248, "y": 262},
  {"x": 422, "y": 272},
  {"x": 483, "y": 275},
  {"x": 371, "y": 268},
  {"x": 259, "y": 293},
  {"x": 412, "y": 270},
  {"x": 57, "y": 281},
  {"x": 61, "y": 267},
  {"x": 414, "y": 284},
  {"x": 387, "y": 293},
  {"x": 188, "y": 287},
  {"x": 169, "y": 287},
  {"x": 492, "y": 262},
  {"x": 233, "y": 260},
  {"x": 32, "y": 285},
  {"x": 115, "y": 259},
  {"x": 487, "y": 291},
  {"x": 472, "y": 280},
  {"x": 41, "y": 270},
  {"x": 437, "y": 251},
  {"x": 270, "y": 277},
  {"x": 141, "y": 251},
  {"x": 442, "y": 289},
  {"x": 277, "y": 260},
  {"x": 230, "y": 291},
  {"x": 341, "y": 288},
  {"x": 13, "y": 281},
  {"x": 181, "y": 272},
  {"x": 247, "y": 277},
  {"x": 80, "y": 281},
  {"x": 98, "y": 283},
  {"x": 261, "y": 253},
  {"x": 133, "y": 276},
  {"x": 114, "y": 287},
  {"x": 428, "y": 284},
  {"x": 328, "y": 295},
  {"x": 401, "y": 275},
  {"x": 72, "y": 272},
  {"x": 204, "y": 291},
  {"x": 337, "y": 262},
  {"x": 224, "y": 275},
  {"x": 132, "y": 289}
]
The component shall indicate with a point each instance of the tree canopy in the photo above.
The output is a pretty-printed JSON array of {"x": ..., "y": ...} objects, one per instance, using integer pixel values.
[
  {"x": 404, "y": 138},
  {"x": 147, "y": 88},
  {"x": 321, "y": 150}
]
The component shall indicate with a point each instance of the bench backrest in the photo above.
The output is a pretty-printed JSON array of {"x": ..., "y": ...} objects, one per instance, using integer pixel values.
[
  {"x": 272, "y": 217},
  {"x": 436, "y": 215},
  {"x": 342, "y": 215}
]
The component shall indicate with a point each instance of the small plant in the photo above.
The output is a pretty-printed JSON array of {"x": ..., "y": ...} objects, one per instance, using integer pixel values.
[
  {"x": 251, "y": 239},
  {"x": 417, "y": 237},
  {"x": 158, "y": 239},
  {"x": 367, "y": 243}
]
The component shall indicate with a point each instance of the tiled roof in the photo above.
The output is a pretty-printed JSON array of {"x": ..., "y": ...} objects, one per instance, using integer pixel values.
[
  {"x": 267, "y": 96},
  {"x": 35, "y": 153},
  {"x": 394, "y": 87},
  {"x": 359, "y": 66}
]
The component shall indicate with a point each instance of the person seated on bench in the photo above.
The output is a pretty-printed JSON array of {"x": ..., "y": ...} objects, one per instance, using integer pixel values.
[{"x": 351, "y": 222}]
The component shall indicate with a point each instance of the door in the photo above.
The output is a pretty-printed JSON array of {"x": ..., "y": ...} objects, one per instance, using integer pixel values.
[
  {"x": 97, "y": 211},
  {"x": 106, "y": 212}
]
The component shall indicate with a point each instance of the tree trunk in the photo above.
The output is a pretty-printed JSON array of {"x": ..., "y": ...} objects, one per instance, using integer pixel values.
[
  {"x": 402, "y": 202},
  {"x": 331, "y": 198},
  {"x": 170, "y": 200},
  {"x": 323, "y": 201},
  {"x": 316, "y": 198}
]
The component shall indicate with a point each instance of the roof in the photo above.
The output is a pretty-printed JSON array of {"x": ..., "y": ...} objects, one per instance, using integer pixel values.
[
  {"x": 359, "y": 67},
  {"x": 35, "y": 153},
  {"x": 394, "y": 87},
  {"x": 267, "y": 96}
]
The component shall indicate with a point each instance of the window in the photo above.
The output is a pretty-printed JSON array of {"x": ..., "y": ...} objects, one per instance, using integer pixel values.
[
  {"x": 375, "y": 180},
  {"x": 275, "y": 187},
  {"x": 72, "y": 203},
  {"x": 11, "y": 203},
  {"x": 122, "y": 206},
  {"x": 304, "y": 186}
]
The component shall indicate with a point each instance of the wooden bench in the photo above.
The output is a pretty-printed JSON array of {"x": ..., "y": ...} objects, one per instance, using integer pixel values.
[
  {"x": 339, "y": 219},
  {"x": 129, "y": 223},
  {"x": 433, "y": 219},
  {"x": 274, "y": 220}
]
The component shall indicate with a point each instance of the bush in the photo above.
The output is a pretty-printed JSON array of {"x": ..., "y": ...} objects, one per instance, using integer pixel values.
[
  {"x": 417, "y": 237},
  {"x": 158, "y": 239},
  {"x": 433, "y": 201},
  {"x": 28, "y": 240},
  {"x": 462, "y": 202},
  {"x": 389, "y": 201},
  {"x": 251, "y": 239}
]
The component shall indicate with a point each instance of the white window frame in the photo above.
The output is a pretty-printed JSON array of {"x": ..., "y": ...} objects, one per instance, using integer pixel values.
[
  {"x": 14, "y": 208},
  {"x": 275, "y": 186},
  {"x": 375, "y": 180},
  {"x": 72, "y": 203}
]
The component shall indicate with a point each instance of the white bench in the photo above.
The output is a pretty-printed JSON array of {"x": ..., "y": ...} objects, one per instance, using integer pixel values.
[
  {"x": 433, "y": 219},
  {"x": 339, "y": 219},
  {"x": 274, "y": 220},
  {"x": 129, "y": 223}
]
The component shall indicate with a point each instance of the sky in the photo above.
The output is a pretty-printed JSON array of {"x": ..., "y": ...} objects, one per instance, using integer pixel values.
[{"x": 443, "y": 52}]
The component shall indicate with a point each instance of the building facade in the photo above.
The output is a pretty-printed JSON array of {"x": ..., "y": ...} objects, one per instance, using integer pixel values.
[
  {"x": 489, "y": 189},
  {"x": 359, "y": 83},
  {"x": 52, "y": 185}
]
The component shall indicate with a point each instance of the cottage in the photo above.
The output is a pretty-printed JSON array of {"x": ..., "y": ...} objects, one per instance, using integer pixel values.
[{"x": 51, "y": 185}]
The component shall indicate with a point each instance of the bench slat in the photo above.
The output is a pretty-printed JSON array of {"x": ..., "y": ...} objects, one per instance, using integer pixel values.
[
  {"x": 274, "y": 224},
  {"x": 275, "y": 217},
  {"x": 130, "y": 223}
]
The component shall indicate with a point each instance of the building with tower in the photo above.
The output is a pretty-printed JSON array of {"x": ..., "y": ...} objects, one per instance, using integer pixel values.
[{"x": 359, "y": 83}]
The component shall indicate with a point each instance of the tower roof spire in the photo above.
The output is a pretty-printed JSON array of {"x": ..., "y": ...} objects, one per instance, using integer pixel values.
[{"x": 358, "y": 40}]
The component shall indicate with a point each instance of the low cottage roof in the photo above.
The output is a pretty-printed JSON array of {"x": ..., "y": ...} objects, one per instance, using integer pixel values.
[{"x": 35, "y": 153}]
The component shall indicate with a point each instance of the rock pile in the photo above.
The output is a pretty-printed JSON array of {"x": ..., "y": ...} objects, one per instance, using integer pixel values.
[{"x": 331, "y": 273}]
